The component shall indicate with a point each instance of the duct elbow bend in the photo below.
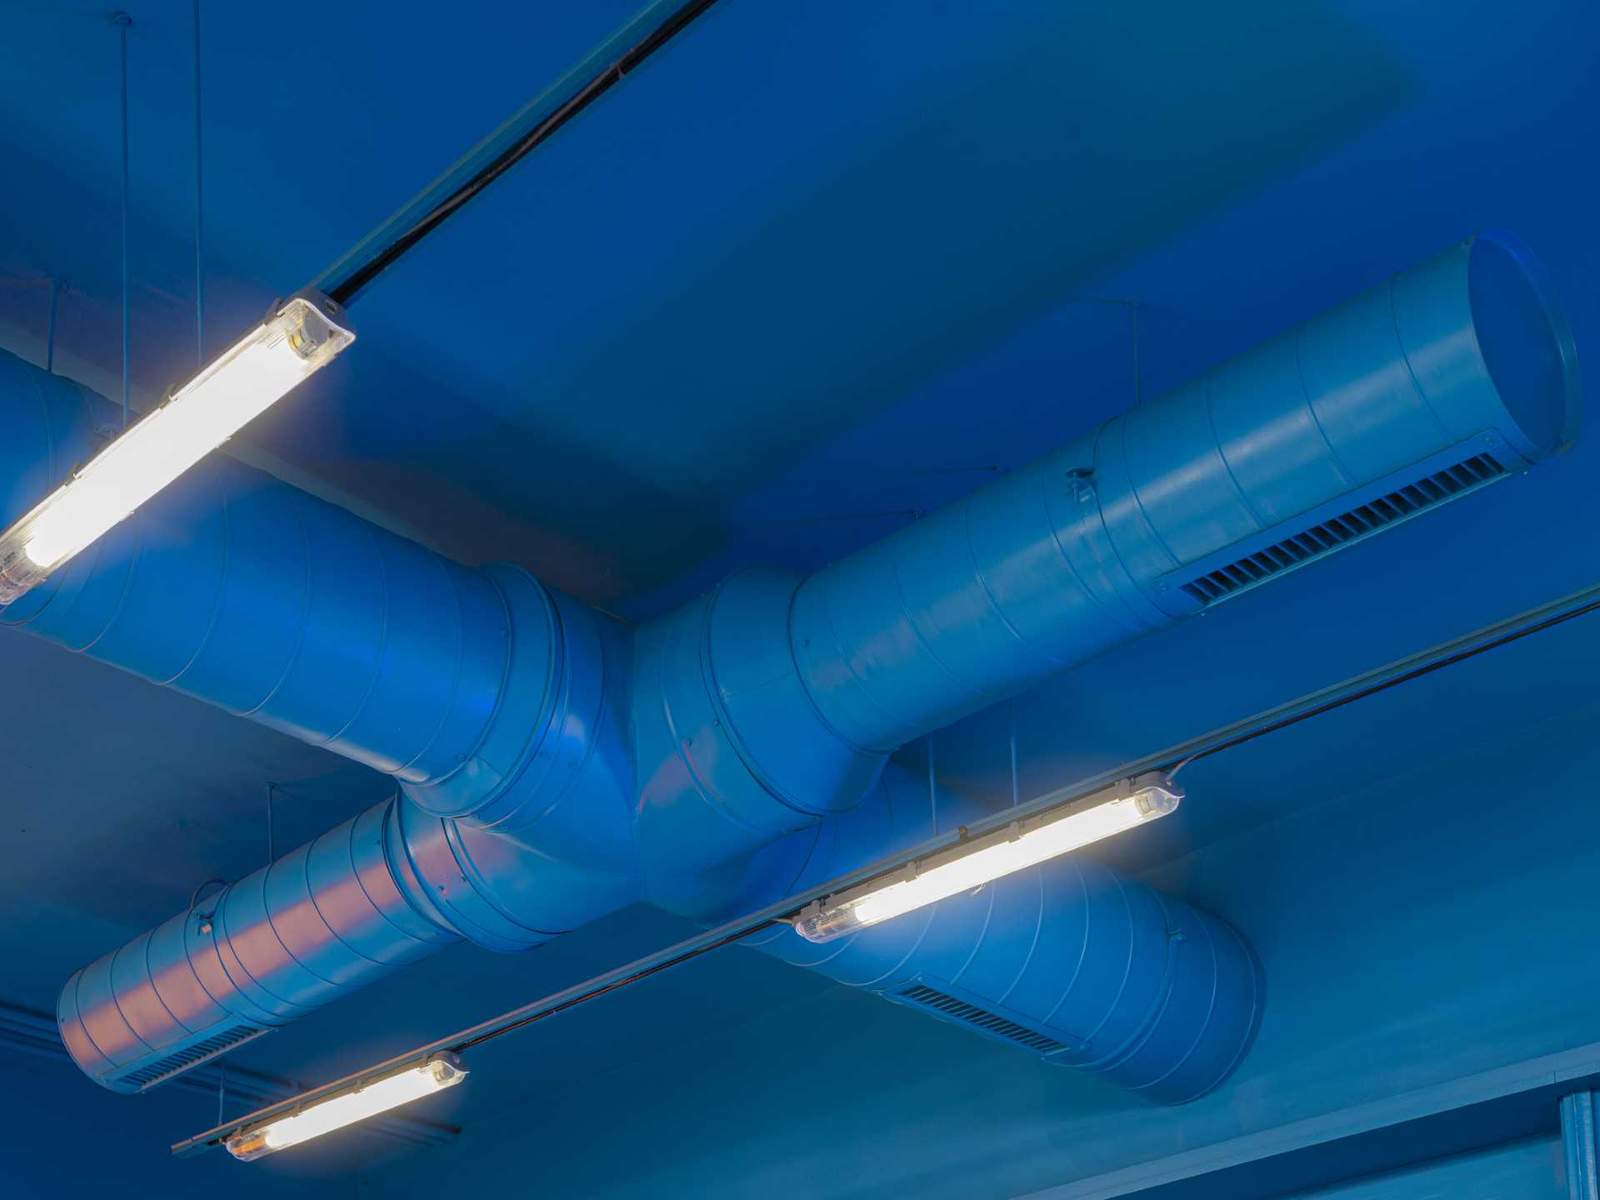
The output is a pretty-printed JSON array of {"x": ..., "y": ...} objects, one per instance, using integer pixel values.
[
  {"x": 733, "y": 755},
  {"x": 553, "y": 765}
]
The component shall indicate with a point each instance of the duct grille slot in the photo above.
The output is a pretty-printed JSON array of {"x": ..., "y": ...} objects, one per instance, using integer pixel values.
[
  {"x": 982, "y": 1019},
  {"x": 1337, "y": 532},
  {"x": 192, "y": 1056}
]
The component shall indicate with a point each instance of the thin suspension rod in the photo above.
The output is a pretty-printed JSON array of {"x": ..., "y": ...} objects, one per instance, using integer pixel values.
[
  {"x": 199, "y": 209},
  {"x": 1011, "y": 745},
  {"x": 50, "y": 330},
  {"x": 1133, "y": 336},
  {"x": 122, "y": 20}
]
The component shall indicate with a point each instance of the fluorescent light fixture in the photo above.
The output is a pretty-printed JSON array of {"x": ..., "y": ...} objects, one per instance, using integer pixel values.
[
  {"x": 254, "y": 374},
  {"x": 971, "y": 864},
  {"x": 412, "y": 1083}
]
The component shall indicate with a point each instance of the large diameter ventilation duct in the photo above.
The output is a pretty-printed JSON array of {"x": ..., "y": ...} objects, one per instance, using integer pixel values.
[
  {"x": 481, "y": 692},
  {"x": 1447, "y": 377},
  {"x": 1068, "y": 960},
  {"x": 552, "y": 767}
]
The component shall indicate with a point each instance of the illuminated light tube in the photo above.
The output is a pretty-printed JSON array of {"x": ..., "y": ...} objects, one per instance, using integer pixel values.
[
  {"x": 255, "y": 373},
  {"x": 413, "y": 1083},
  {"x": 971, "y": 864}
]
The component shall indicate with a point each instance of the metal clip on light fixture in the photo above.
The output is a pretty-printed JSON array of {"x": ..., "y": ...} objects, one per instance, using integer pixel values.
[
  {"x": 365, "y": 1100},
  {"x": 257, "y": 371},
  {"x": 973, "y": 863}
]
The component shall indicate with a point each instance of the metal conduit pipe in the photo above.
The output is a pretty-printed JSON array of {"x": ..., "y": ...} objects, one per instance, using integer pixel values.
[{"x": 551, "y": 767}]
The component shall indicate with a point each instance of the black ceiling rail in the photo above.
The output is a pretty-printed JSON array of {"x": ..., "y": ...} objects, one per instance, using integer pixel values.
[
  {"x": 1492, "y": 641},
  {"x": 380, "y": 250}
]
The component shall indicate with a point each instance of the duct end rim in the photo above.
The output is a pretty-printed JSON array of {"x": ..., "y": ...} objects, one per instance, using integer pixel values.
[{"x": 1526, "y": 342}]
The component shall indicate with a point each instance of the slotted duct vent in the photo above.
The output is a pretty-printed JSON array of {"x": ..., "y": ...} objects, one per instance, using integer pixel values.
[
  {"x": 949, "y": 1008},
  {"x": 1348, "y": 527},
  {"x": 154, "y": 1073}
]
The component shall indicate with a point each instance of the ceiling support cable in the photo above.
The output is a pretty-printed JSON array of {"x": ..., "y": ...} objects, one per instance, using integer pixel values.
[
  {"x": 122, "y": 21},
  {"x": 50, "y": 327},
  {"x": 199, "y": 209}
]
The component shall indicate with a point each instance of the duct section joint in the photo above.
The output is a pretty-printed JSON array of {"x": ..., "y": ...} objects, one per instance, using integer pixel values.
[{"x": 743, "y": 756}]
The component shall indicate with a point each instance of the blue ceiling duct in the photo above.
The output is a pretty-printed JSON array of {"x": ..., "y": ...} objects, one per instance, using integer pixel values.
[
  {"x": 554, "y": 766},
  {"x": 1068, "y": 960}
]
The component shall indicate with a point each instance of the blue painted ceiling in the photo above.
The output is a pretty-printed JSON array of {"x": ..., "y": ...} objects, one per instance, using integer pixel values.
[{"x": 813, "y": 270}]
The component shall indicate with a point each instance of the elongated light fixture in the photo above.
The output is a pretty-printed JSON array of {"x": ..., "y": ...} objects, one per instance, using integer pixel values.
[
  {"x": 256, "y": 372},
  {"x": 336, "y": 1112},
  {"x": 971, "y": 864}
]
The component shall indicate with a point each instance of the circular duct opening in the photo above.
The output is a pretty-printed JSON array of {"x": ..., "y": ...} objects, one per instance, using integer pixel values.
[{"x": 1525, "y": 342}]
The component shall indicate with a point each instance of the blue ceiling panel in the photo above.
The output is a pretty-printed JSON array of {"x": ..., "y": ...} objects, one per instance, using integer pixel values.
[{"x": 813, "y": 271}]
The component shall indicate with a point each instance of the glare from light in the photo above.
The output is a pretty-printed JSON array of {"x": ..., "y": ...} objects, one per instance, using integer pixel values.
[
  {"x": 249, "y": 378},
  {"x": 966, "y": 867},
  {"x": 339, "y": 1111}
]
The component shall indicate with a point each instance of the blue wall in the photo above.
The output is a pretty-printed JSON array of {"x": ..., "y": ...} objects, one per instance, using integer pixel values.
[{"x": 1523, "y": 1171}]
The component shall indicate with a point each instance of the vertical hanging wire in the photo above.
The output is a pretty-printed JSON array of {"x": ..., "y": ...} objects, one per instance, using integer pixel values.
[
  {"x": 933, "y": 791},
  {"x": 222, "y": 1087},
  {"x": 1133, "y": 330},
  {"x": 272, "y": 857},
  {"x": 50, "y": 328},
  {"x": 1011, "y": 714},
  {"x": 199, "y": 211},
  {"x": 122, "y": 20}
]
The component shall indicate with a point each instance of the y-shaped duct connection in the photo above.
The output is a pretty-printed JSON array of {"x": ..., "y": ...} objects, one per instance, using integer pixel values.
[{"x": 552, "y": 767}]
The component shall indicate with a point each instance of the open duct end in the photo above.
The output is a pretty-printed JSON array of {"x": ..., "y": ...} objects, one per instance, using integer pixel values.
[
  {"x": 1072, "y": 963},
  {"x": 1525, "y": 341},
  {"x": 1069, "y": 961},
  {"x": 1208, "y": 1018}
]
